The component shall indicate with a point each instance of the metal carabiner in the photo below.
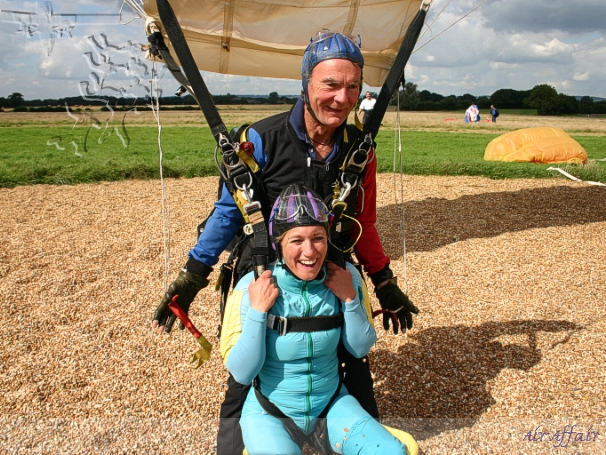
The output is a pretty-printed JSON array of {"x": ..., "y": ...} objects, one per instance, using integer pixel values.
[{"x": 346, "y": 189}]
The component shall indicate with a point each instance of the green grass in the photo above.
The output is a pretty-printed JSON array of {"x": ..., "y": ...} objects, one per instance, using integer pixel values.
[
  {"x": 58, "y": 156},
  {"x": 34, "y": 155}
]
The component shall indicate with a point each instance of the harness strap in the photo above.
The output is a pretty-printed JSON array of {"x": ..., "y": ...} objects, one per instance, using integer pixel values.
[
  {"x": 318, "y": 438},
  {"x": 282, "y": 325},
  {"x": 373, "y": 123},
  {"x": 359, "y": 156},
  {"x": 238, "y": 164},
  {"x": 190, "y": 68}
]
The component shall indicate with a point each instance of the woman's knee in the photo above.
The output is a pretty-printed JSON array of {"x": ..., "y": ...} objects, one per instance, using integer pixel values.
[{"x": 265, "y": 435}]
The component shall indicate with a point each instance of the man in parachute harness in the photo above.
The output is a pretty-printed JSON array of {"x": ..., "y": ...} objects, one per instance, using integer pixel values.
[{"x": 312, "y": 145}]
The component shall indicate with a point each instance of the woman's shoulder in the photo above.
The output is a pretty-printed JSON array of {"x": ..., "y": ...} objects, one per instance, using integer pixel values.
[{"x": 355, "y": 273}]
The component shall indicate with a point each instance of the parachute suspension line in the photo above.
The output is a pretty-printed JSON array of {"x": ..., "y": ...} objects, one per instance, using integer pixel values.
[
  {"x": 155, "y": 106},
  {"x": 428, "y": 29},
  {"x": 136, "y": 6},
  {"x": 450, "y": 26},
  {"x": 398, "y": 157}
]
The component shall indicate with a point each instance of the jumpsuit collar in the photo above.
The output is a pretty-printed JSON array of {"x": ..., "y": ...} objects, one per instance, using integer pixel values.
[{"x": 289, "y": 282}]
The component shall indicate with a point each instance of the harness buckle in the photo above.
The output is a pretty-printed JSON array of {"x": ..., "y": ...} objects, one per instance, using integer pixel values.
[
  {"x": 251, "y": 207},
  {"x": 277, "y": 323}
]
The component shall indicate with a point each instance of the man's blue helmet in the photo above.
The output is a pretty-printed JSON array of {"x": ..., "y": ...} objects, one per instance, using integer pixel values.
[{"x": 327, "y": 46}]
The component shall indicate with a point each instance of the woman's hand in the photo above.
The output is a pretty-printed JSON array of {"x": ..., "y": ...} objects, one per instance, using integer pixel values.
[
  {"x": 340, "y": 282},
  {"x": 263, "y": 292}
]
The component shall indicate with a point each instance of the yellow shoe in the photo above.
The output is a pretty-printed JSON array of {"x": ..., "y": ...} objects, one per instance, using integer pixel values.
[{"x": 411, "y": 445}]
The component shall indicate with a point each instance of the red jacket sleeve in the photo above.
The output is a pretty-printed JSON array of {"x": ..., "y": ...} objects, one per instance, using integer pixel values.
[{"x": 369, "y": 250}]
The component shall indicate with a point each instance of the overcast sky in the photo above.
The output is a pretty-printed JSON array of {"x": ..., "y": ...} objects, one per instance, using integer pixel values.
[{"x": 503, "y": 44}]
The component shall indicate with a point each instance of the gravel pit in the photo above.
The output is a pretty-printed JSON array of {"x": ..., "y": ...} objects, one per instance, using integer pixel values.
[{"x": 506, "y": 355}]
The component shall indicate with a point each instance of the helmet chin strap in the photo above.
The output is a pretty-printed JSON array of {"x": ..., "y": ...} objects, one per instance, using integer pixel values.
[{"x": 310, "y": 110}]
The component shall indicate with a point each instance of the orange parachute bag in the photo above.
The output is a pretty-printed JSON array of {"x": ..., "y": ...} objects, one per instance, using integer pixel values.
[{"x": 536, "y": 145}]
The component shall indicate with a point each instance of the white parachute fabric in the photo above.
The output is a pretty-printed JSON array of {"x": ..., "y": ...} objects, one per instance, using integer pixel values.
[{"x": 267, "y": 38}]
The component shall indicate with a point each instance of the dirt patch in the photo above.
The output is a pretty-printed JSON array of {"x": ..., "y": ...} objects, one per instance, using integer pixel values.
[{"x": 510, "y": 277}]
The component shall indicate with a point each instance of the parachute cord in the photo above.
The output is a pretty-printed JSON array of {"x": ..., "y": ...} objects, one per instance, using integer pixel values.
[
  {"x": 428, "y": 29},
  {"x": 398, "y": 137},
  {"x": 136, "y": 6},
  {"x": 450, "y": 26},
  {"x": 351, "y": 248},
  {"x": 155, "y": 106}
]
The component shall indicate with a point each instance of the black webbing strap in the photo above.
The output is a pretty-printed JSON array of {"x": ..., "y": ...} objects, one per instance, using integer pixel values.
[
  {"x": 317, "y": 438},
  {"x": 201, "y": 93},
  {"x": 373, "y": 123},
  {"x": 282, "y": 325},
  {"x": 358, "y": 157},
  {"x": 239, "y": 175}
]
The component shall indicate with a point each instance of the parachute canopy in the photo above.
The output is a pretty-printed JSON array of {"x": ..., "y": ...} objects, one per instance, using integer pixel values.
[
  {"x": 536, "y": 145},
  {"x": 267, "y": 38}
]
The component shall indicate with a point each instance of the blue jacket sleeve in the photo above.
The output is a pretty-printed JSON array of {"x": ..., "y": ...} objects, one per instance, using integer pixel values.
[
  {"x": 358, "y": 334},
  {"x": 225, "y": 220},
  {"x": 248, "y": 355}
]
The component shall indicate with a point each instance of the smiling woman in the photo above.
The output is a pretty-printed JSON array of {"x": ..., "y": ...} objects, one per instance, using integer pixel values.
[{"x": 281, "y": 332}]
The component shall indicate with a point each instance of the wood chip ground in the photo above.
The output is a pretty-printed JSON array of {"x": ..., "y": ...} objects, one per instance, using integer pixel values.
[{"x": 510, "y": 278}]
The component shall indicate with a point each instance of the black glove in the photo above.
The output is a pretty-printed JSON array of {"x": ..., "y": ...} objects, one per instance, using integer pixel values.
[
  {"x": 399, "y": 305},
  {"x": 186, "y": 286}
]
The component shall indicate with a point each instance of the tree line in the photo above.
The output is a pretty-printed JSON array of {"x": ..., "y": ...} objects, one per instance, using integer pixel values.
[
  {"x": 17, "y": 102},
  {"x": 543, "y": 97}
]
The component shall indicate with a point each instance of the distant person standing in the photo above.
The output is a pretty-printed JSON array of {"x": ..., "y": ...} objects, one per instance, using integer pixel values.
[
  {"x": 367, "y": 105},
  {"x": 494, "y": 112}
]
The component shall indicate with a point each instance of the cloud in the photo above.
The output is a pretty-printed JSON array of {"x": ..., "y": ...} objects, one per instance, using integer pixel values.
[
  {"x": 545, "y": 16},
  {"x": 502, "y": 44}
]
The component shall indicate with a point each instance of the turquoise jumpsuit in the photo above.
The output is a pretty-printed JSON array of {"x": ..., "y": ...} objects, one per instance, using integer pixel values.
[{"x": 298, "y": 372}]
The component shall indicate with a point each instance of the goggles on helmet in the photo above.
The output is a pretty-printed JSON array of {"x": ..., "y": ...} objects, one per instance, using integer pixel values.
[{"x": 297, "y": 206}]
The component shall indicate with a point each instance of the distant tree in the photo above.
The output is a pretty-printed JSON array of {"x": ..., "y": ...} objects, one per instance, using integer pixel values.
[
  {"x": 599, "y": 107},
  {"x": 508, "y": 98},
  {"x": 3, "y": 102},
  {"x": 449, "y": 103},
  {"x": 467, "y": 97},
  {"x": 426, "y": 95},
  {"x": 273, "y": 98},
  {"x": 465, "y": 100},
  {"x": 15, "y": 99},
  {"x": 483, "y": 102},
  {"x": 409, "y": 97},
  {"x": 543, "y": 98},
  {"x": 586, "y": 105},
  {"x": 567, "y": 104}
]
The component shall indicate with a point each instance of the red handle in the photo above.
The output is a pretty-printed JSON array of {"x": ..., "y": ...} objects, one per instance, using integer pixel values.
[
  {"x": 395, "y": 319},
  {"x": 183, "y": 317}
]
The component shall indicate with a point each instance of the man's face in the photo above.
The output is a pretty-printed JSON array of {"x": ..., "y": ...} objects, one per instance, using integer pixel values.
[
  {"x": 333, "y": 90},
  {"x": 368, "y": 95}
]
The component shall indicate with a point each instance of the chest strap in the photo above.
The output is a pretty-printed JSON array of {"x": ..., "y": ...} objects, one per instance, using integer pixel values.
[{"x": 282, "y": 325}]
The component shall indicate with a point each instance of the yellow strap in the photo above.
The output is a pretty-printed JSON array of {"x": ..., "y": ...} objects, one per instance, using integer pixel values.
[{"x": 250, "y": 161}]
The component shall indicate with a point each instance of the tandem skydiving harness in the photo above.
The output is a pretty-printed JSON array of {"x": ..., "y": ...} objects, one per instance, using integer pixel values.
[
  {"x": 240, "y": 171},
  {"x": 318, "y": 438}
]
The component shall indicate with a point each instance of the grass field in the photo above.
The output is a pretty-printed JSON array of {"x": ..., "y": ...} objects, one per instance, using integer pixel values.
[{"x": 55, "y": 148}]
